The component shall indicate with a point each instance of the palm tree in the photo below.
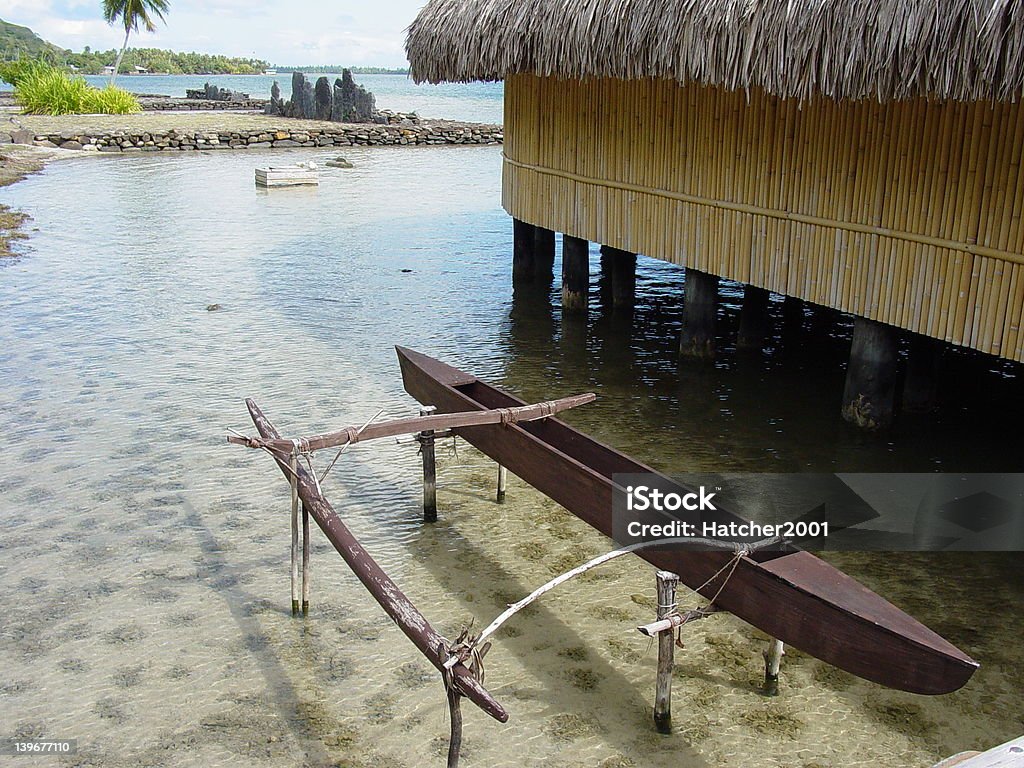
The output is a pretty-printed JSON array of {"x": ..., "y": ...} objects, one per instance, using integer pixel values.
[{"x": 132, "y": 13}]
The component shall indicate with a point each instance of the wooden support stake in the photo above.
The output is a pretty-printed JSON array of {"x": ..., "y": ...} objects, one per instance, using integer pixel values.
[
  {"x": 305, "y": 561},
  {"x": 502, "y": 483},
  {"x": 429, "y": 470},
  {"x": 772, "y": 661},
  {"x": 455, "y": 742},
  {"x": 408, "y": 618},
  {"x": 295, "y": 530},
  {"x": 667, "y": 583}
]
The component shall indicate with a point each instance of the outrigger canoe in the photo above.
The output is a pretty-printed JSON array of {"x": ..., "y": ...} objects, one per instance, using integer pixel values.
[{"x": 789, "y": 594}]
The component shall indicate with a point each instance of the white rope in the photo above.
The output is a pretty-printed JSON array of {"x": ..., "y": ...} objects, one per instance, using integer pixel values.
[
  {"x": 352, "y": 439},
  {"x": 741, "y": 551}
]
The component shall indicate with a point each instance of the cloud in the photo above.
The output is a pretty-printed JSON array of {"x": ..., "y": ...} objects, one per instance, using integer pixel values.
[{"x": 302, "y": 32}]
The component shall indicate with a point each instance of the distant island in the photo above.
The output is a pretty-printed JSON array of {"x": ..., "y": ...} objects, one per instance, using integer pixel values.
[{"x": 18, "y": 42}]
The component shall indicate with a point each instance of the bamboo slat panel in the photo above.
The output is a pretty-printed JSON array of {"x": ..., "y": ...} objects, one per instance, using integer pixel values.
[{"x": 910, "y": 213}]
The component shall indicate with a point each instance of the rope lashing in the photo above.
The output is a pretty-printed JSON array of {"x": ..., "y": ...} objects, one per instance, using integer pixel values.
[{"x": 739, "y": 552}]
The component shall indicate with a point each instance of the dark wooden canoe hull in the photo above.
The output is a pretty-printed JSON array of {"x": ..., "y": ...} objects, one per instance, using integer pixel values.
[{"x": 793, "y": 596}]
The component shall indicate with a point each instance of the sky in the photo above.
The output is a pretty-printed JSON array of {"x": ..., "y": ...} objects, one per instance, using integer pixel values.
[{"x": 297, "y": 32}]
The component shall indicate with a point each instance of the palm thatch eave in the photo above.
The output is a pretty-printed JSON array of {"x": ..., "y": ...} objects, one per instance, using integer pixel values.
[{"x": 963, "y": 50}]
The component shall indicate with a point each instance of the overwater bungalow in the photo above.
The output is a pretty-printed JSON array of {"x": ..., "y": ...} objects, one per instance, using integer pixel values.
[{"x": 860, "y": 156}]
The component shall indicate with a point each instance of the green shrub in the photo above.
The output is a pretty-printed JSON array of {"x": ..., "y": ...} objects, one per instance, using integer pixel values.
[
  {"x": 53, "y": 92},
  {"x": 14, "y": 72},
  {"x": 112, "y": 100}
]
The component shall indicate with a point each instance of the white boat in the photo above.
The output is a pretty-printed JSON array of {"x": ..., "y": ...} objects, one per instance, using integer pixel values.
[
  {"x": 288, "y": 175},
  {"x": 269, "y": 71}
]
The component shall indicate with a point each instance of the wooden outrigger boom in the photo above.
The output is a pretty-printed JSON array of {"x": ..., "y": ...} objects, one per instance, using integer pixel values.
[
  {"x": 401, "y": 610},
  {"x": 349, "y": 435}
]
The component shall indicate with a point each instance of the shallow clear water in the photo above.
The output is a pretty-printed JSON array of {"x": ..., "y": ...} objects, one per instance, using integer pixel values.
[{"x": 143, "y": 562}]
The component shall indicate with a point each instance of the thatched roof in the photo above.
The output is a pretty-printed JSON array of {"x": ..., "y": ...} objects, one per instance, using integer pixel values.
[{"x": 891, "y": 49}]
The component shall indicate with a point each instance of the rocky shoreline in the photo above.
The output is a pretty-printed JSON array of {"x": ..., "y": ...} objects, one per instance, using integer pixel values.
[{"x": 326, "y": 135}]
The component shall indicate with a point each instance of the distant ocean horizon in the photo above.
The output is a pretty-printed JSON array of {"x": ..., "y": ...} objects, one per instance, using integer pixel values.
[{"x": 473, "y": 102}]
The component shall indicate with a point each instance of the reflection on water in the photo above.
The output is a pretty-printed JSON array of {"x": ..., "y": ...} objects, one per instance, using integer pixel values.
[{"x": 143, "y": 579}]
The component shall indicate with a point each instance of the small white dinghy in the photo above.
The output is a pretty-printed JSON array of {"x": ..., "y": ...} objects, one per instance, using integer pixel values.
[{"x": 288, "y": 175}]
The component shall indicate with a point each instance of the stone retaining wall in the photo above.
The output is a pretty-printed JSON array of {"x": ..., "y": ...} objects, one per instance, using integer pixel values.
[
  {"x": 165, "y": 104},
  {"x": 335, "y": 135}
]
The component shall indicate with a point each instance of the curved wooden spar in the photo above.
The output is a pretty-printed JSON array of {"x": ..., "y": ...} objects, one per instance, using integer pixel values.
[
  {"x": 415, "y": 424},
  {"x": 384, "y": 590}
]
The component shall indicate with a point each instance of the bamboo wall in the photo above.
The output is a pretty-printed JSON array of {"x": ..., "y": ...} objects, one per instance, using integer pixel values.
[{"x": 908, "y": 213}]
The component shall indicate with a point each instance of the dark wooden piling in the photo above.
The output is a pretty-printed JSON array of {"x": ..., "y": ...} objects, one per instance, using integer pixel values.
[
  {"x": 754, "y": 319},
  {"x": 700, "y": 307},
  {"x": 621, "y": 269},
  {"x": 543, "y": 255},
  {"x": 575, "y": 273},
  {"x": 667, "y": 583},
  {"x": 523, "y": 249},
  {"x": 792, "y": 316},
  {"x": 870, "y": 392},
  {"x": 921, "y": 382},
  {"x": 426, "y": 438}
]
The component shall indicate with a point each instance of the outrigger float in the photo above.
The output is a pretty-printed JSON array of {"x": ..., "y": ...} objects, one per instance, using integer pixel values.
[{"x": 786, "y": 592}]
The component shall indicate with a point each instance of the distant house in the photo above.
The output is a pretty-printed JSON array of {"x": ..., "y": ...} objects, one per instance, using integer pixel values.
[
  {"x": 108, "y": 70},
  {"x": 140, "y": 70}
]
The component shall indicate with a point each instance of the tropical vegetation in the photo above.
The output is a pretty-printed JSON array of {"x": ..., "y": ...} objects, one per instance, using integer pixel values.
[
  {"x": 132, "y": 14},
  {"x": 42, "y": 89},
  {"x": 90, "y": 62}
]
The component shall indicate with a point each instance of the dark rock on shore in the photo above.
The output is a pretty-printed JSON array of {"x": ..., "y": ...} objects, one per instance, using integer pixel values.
[
  {"x": 215, "y": 93},
  {"x": 323, "y": 99}
]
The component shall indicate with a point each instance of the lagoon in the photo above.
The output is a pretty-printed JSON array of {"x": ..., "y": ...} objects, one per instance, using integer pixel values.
[{"x": 144, "y": 580}]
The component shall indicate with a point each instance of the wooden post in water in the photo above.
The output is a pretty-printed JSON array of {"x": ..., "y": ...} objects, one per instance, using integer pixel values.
[
  {"x": 667, "y": 583},
  {"x": 870, "y": 392},
  {"x": 622, "y": 268},
  {"x": 523, "y": 246},
  {"x": 305, "y": 561},
  {"x": 604, "y": 283},
  {"x": 295, "y": 530},
  {"x": 700, "y": 308},
  {"x": 543, "y": 255},
  {"x": 754, "y": 319},
  {"x": 772, "y": 661},
  {"x": 502, "y": 483},
  {"x": 792, "y": 315},
  {"x": 921, "y": 383},
  {"x": 575, "y": 273},
  {"x": 426, "y": 438}
]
